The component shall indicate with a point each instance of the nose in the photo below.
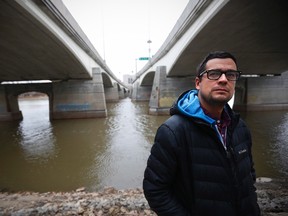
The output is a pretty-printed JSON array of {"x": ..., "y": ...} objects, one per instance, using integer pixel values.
[{"x": 223, "y": 78}]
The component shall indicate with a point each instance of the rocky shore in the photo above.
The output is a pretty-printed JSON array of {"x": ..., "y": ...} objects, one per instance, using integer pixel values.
[{"x": 272, "y": 196}]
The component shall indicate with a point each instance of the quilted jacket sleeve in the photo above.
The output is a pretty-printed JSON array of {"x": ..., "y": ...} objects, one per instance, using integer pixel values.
[{"x": 160, "y": 174}]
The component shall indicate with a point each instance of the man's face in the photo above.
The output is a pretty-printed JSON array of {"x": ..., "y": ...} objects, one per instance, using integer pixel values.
[{"x": 216, "y": 92}]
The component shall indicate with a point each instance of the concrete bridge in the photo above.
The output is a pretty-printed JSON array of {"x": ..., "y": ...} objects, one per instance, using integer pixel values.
[
  {"x": 40, "y": 40},
  {"x": 254, "y": 31}
]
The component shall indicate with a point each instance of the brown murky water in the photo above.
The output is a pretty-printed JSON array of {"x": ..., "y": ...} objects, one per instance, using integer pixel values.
[{"x": 41, "y": 155}]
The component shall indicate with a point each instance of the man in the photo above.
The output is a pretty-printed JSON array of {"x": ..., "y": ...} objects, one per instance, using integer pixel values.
[{"x": 201, "y": 162}]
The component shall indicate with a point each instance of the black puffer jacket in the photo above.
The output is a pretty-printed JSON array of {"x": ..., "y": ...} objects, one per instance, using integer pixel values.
[{"x": 190, "y": 173}]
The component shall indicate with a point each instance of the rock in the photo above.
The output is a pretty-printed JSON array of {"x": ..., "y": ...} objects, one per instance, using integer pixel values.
[
  {"x": 263, "y": 180},
  {"x": 81, "y": 189}
]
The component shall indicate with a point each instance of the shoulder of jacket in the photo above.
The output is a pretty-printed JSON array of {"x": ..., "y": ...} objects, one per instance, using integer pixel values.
[{"x": 177, "y": 122}]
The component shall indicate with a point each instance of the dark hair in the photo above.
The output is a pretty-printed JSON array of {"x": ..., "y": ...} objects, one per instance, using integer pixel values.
[{"x": 213, "y": 55}]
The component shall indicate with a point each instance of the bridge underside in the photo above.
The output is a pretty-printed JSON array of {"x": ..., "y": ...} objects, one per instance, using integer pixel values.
[
  {"x": 255, "y": 31},
  {"x": 29, "y": 51},
  {"x": 40, "y": 40}
]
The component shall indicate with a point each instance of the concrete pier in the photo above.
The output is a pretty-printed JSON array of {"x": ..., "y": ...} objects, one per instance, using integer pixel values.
[
  {"x": 8, "y": 113},
  {"x": 112, "y": 93},
  {"x": 262, "y": 93},
  {"x": 67, "y": 99},
  {"x": 79, "y": 99},
  {"x": 165, "y": 91},
  {"x": 141, "y": 93}
]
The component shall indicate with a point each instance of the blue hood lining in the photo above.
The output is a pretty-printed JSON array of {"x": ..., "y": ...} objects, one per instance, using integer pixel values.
[{"x": 189, "y": 105}]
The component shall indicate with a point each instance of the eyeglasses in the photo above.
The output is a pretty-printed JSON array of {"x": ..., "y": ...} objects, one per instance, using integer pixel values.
[{"x": 215, "y": 74}]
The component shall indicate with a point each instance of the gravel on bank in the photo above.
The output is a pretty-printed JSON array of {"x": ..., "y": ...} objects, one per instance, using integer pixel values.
[{"x": 272, "y": 196}]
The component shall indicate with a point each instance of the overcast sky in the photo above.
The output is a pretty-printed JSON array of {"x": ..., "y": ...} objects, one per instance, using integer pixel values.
[{"x": 119, "y": 30}]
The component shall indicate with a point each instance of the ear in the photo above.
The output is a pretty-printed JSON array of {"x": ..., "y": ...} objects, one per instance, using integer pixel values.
[{"x": 197, "y": 83}]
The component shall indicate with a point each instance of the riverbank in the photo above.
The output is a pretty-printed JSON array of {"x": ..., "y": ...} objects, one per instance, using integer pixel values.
[{"x": 272, "y": 196}]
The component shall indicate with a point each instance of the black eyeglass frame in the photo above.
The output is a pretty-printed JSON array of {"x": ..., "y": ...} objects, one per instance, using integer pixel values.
[{"x": 221, "y": 72}]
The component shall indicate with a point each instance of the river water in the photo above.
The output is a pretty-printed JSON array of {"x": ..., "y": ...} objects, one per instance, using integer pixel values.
[{"x": 62, "y": 155}]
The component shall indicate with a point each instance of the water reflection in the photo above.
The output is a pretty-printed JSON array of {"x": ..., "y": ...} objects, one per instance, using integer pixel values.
[
  {"x": 280, "y": 144},
  {"x": 269, "y": 133},
  {"x": 35, "y": 133},
  {"x": 129, "y": 133}
]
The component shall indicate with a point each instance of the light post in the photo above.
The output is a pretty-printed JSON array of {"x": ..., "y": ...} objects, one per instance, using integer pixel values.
[{"x": 149, "y": 49}]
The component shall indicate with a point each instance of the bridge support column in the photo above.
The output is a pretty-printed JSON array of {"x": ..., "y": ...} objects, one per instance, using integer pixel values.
[
  {"x": 122, "y": 93},
  {"x": 141, "y": 93},
  {"x": 79, "y": 99},
  {"x": 9, "y": 108},
  {"x": 240, "y": 97},
  {"x": 111, "y": 93},
  {"x": 165, "y": 91},
  {"x": 262, "y": 93}
]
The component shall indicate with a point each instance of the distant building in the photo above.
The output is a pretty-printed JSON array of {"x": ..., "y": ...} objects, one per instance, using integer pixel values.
[{"x": 128, "y": 79}]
